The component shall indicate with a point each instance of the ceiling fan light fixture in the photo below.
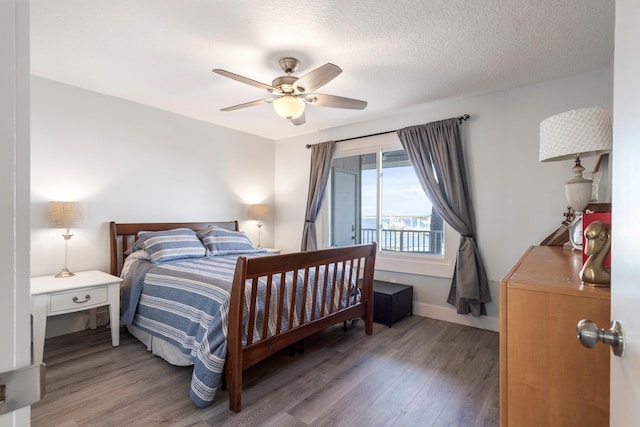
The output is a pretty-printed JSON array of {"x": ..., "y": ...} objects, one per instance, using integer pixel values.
[
  {"x": 291, "y": 93},
  {"x": 288, "y": 107}
]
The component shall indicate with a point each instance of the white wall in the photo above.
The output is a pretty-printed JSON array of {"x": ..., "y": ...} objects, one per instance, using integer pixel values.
[
  {"x": 133, "y": 163},
  {"x": 518, "y": 200}
]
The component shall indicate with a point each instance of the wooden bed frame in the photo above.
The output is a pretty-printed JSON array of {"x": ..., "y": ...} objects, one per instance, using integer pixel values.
[{"x": 241, "y": 356}]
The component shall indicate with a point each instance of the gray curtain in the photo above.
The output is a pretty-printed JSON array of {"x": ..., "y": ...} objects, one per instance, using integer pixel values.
[
  {"x": 435, "y": 151},
  {"x": 321, "y": 157}
]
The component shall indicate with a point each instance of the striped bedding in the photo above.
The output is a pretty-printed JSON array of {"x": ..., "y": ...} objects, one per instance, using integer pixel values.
[{"x": 186, "y": 303}]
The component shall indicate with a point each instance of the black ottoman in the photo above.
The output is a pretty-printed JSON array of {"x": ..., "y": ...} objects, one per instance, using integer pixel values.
[{"x": 391, "y": 301}]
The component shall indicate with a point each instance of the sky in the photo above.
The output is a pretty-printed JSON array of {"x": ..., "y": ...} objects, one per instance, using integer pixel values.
[{"x": 402, "y": 193}]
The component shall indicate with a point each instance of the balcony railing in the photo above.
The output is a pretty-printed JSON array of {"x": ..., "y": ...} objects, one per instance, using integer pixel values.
[{"x": 414, "y": 241}]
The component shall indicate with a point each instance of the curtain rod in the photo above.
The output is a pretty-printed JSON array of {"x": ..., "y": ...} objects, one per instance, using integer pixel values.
[{"x": 461, "y": 119}]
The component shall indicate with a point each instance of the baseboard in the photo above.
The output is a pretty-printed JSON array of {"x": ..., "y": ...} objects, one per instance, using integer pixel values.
[
  {"x": 66, "y": 324},
  {"x": 449, "y": 315},
  {"x": 74, "y": 322},
  {"x": 59, "y": 325}
]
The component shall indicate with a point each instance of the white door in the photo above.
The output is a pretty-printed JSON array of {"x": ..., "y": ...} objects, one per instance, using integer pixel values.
[
  {"x": 625, "y": 255},
  {"x": 14, "y": 195}
]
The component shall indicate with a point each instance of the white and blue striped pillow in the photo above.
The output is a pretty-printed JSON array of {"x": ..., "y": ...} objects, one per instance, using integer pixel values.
[
  {"x": 171, "y": 244},
  {"x": 220, "y": 241}
]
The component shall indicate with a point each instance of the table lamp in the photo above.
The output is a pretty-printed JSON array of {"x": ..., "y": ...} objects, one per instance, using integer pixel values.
[
  {"x": 67, "y": 215},
  {"x": 258, "y": 213},
  {"x": 574, "y": 135}
]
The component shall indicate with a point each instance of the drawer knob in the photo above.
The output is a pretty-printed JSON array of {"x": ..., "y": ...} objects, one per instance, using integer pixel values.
[
  {"x": 589, "y": 335},
  {"x": 87, "y": 297}
]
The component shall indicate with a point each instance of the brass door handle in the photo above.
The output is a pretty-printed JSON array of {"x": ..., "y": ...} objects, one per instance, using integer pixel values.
[{"x": 589, "y": 335}]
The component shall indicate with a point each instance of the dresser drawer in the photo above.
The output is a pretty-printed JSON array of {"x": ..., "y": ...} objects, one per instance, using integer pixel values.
[{"x": 78, "y": 299}]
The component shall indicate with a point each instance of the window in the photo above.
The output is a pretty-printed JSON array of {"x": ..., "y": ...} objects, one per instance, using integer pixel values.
[
  {"x": 403, "y": 220},
  {"x": 375, "y": 195}
]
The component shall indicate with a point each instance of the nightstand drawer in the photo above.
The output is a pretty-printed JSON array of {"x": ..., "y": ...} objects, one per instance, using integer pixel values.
[{"x": 78, "y": 299}]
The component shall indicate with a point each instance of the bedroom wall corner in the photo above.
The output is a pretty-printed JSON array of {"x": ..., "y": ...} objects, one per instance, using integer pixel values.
[
  {"x": 291, "y": 185},
  {"x": 133, "y": 163}
]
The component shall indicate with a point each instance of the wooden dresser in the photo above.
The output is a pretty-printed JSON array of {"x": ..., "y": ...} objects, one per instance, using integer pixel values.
[{"x": 547, "y": 378}]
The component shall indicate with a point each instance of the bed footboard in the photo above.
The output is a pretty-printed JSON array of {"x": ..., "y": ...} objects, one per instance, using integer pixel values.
[{"x": 312, "y": 301}]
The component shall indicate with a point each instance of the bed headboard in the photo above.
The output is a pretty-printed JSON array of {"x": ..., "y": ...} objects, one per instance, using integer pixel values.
[{"x": 121, "y": 236}]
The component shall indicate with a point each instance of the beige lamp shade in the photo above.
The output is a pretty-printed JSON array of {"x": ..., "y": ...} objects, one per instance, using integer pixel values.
[
  {"x": 584, "y": 132},
  {"x": 258, "y": 212},
  {"x": 67, "y": 214}
]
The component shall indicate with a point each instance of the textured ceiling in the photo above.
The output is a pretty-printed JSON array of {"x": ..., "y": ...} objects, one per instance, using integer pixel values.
[{"x": 394, "y": 54}]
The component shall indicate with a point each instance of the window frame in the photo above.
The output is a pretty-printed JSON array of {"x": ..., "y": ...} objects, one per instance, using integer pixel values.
[{"x": 410, "y": 263}]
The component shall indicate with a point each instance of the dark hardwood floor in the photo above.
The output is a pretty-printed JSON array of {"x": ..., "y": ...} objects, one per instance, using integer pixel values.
[{"x": 420, "y": 372}]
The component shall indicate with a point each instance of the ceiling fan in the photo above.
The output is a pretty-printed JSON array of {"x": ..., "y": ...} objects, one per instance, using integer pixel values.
[{"x": 291, "y": 93}]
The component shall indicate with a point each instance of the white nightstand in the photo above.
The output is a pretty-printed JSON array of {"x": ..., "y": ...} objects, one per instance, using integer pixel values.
[
  {"x": 272, "y": 251},
  {"x": 51, "y": 296}
]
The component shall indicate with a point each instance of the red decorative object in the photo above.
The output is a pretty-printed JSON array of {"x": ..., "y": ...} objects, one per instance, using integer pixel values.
[{"x": 596, "y": 212}]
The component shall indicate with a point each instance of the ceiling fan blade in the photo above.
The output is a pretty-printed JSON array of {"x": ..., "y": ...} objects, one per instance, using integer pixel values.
[
  {"x": 335, "y": 101},
  {"x": 245, "y": 80},
  {"x": 317, "y": 78},
  {"x": 299, "y": 121},
  {"x": 248, "y": 104}
]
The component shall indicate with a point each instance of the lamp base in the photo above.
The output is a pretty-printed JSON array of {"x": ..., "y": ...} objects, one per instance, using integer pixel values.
[
  {"x": 578, "y": 189},
  {"x": 64, "y": 273}
]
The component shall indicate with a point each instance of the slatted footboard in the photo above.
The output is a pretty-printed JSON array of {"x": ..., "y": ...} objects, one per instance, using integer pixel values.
[{"x": 302, "y": 293}]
